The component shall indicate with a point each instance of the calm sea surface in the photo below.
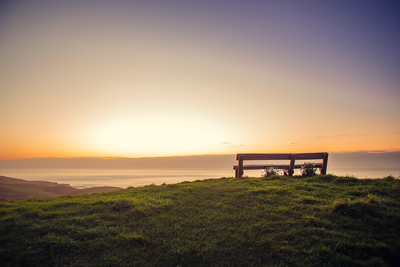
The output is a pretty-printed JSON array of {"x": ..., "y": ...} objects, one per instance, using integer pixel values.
[{"x": 86, "y": 178}]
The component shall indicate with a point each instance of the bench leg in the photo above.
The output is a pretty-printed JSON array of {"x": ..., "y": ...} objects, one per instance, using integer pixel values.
[
  {"x": 240, "y": 166},
  {"x": 291, "y": 166},
  {"x": 324, "y": 164}
]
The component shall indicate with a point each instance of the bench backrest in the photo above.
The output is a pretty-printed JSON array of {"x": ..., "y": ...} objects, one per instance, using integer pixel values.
[{"x": 281, "y": 156}]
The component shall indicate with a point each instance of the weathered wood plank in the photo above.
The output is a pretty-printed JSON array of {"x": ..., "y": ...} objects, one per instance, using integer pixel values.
[
  {"x": 264, "y": 156},
  {"x": 310, "y": 155},
  {"x": 282, "y": 156},
  {"x": 276, "y": 166},
  {"x": 292, "y": 160},
  {"x": 324, "y": 164},
  {"x": 240, "y": 166}
]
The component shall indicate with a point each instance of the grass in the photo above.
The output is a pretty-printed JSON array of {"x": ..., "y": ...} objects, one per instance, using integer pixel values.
[{"x": 278, "y": 221}]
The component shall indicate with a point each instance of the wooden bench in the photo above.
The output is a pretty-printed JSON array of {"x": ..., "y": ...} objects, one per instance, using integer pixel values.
[{"x": 292, "y": 157}]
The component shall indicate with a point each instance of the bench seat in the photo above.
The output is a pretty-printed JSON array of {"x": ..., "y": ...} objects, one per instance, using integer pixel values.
[{"x": 276, "y": 166}]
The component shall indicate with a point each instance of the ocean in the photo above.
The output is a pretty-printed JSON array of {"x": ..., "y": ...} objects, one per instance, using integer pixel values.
[{"x": 86, "y": 178}]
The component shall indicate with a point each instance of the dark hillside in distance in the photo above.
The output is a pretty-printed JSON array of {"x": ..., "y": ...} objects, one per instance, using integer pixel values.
[{"x": 16, "y": 189}]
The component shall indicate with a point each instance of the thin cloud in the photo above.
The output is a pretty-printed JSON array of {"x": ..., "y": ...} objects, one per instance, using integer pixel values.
[
  {"x": 229, "y": 144},
  {"x": 377, "y": 151}
]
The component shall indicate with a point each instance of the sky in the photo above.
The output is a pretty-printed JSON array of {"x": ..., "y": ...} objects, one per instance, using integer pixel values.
[{"x": 170, "y": 78}]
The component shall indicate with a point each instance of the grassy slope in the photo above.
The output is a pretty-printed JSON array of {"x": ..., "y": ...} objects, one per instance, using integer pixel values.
[
  {"x": 281, "y": 221},
  {"x": 12, "y": 188}
]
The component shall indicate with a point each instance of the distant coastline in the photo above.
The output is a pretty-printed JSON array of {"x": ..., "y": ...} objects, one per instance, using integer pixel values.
[
  {"x": 342, "y": 159},
  {"x": 18, "y": 189},
  {"x": 87, "y": 173}
]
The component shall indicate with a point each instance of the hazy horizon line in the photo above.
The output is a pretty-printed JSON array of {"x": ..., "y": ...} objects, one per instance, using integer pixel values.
[{"x": 202, "y": 155}]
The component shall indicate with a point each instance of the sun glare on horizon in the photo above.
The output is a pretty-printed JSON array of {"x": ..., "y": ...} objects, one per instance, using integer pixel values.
[{"x": 157, "y": 134}]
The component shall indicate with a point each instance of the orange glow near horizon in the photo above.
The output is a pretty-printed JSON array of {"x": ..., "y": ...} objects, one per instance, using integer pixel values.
[
  {"x": 139, "y": 80},
  {"x": 113, "y": 149}
]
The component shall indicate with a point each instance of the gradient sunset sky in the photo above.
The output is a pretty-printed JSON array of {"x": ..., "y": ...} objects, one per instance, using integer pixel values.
[{"x": 164, "y": 78}]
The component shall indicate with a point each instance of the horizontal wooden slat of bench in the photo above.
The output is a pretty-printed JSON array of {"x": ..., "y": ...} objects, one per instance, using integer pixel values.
[
  {"x": 276, "y": 166},
  {"x": 263, "y": 156},
  {"x": 310, "y": 155},
  {"x": 281, "y": 156}
]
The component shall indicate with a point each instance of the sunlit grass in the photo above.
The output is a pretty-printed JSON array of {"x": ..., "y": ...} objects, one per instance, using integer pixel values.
[{"x": 275, "y": 221}]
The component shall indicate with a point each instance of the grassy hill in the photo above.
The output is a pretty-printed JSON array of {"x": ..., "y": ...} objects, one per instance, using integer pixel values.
[
  {"x": 14, "y": 189},
  {"x": 279, "y": 221}
]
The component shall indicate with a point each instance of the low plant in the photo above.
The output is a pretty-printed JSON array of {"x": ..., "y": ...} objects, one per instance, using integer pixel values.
[
  {"x": 271, "y": 171},
  {"x": 308, "y": 169}
]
